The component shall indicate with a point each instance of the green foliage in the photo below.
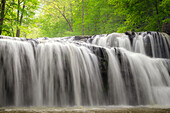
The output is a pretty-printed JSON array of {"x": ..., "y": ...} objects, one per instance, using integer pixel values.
[
  {"x": 57, "y": 18},
  {"x": 99, "y": 18},
  {"x": 142, "y": 15},
  {"x": 11, "y": 22}
]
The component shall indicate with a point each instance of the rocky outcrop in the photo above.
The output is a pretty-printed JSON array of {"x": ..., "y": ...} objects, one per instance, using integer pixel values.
[
  {"x": 131, "y": 35},
  {"x": 166, "y": 27}
]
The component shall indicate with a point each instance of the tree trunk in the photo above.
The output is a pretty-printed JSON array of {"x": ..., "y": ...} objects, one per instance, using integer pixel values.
[
  {"x": 22, "y": 14},
  {"x": 157, "y": 12},
  {"x": 20, "y": 21},
  {"x": 12, "y": 30},
  {"x": 71, "y": 19},
  {"x": 18, "y": 30},
  {"x": 68, "y": 23},
  {"x": 82, "y": 17},
  {"x": 2, "y": 14},
  {"x": 63, "y": 14}
]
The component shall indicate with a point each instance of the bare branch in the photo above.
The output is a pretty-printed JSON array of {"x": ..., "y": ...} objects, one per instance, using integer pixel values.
[{"x": 62, "y": 13}]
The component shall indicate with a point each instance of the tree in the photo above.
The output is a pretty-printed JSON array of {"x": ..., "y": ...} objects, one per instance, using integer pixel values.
[
  {"x": 141, "y": 15},
  {"x": 57, "y": 18},
  {"x": 16, "y": 14},
  {"x": 82, "y": 17},
  {"x": 20, "y": 15},
  {"x": 25, "y": 8},
  {"x": 3, "y": 2},
  {"x": 61, "y": 7}
]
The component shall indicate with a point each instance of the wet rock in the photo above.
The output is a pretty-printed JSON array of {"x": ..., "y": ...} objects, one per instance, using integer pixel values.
[
  {"x": 147, "y": 45},
  {"x": 82, "y": 38},
  {"x": 45, "y": 38},
  {"x": 103, "y": 64},
  {"x": 166, "y": 28},
  {"x": 131, "y": 35}
]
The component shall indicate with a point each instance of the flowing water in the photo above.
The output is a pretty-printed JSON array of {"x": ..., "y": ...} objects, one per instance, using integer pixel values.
[{"x": 104, "y": 70}]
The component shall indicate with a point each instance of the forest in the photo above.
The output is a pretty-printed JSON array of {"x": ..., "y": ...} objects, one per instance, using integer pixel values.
[{"x": 59, "y": 18}]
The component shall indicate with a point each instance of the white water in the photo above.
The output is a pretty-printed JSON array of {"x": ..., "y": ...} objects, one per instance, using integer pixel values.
[
  {"x": 152, "y": 44},
  {"x": 64, "y": 72}
]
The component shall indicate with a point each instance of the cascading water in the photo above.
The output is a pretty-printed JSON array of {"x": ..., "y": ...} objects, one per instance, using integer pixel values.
[
  {"x": 153, "y": 44},
  {"x": 113, "y": 70}
]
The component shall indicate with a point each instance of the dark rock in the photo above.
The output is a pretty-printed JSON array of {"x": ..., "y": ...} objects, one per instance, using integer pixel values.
[
  {"x": 147, "y": 45},
  {"x": 131, "y": 35},
  {"x": 128, "y": 77},
  {"x": 45, "y": 38},
  {"x": 82, "y": 38},
  {"x": 166, "y": 27},
  {"x": 148, "y": 32}
]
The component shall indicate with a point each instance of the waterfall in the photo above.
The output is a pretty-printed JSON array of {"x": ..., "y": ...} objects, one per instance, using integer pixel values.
[
  {"x": 104, "y": 70},
  {"x": 153, "y": 44}
]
